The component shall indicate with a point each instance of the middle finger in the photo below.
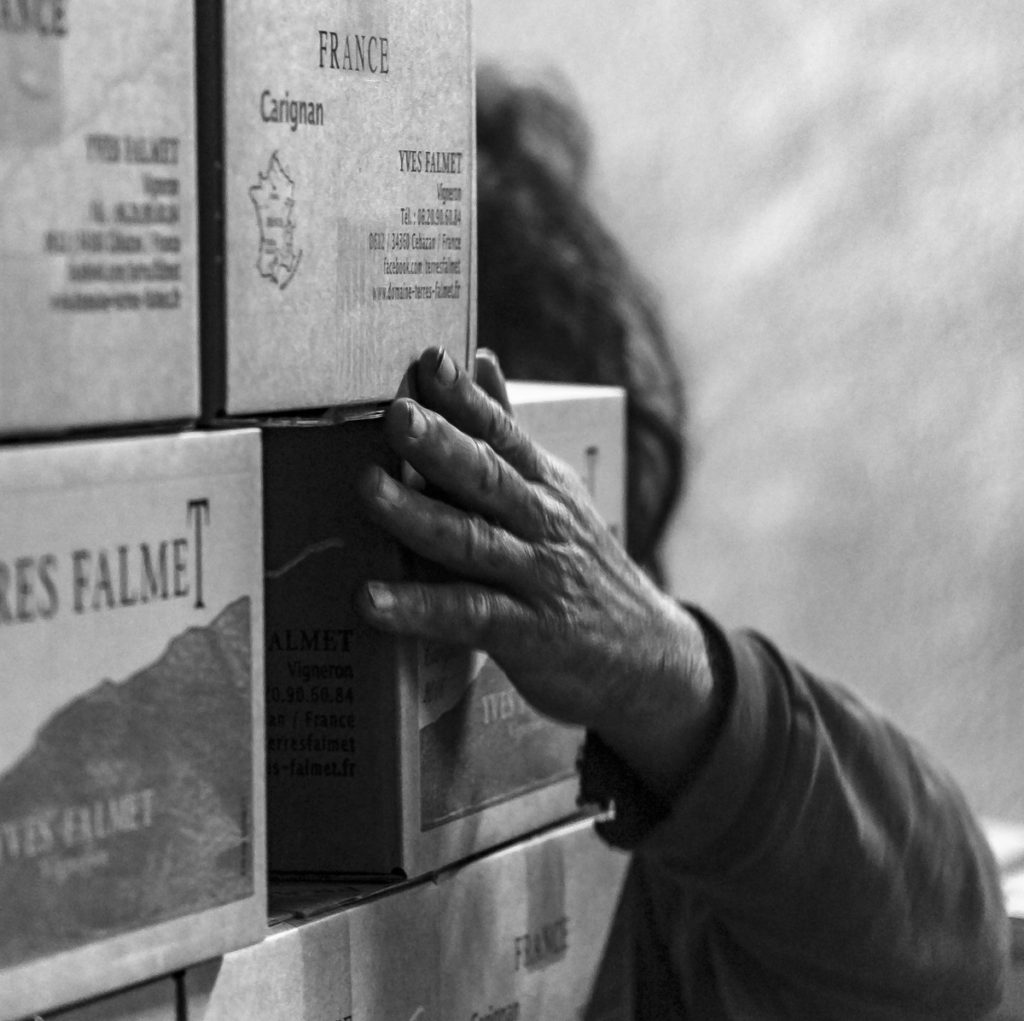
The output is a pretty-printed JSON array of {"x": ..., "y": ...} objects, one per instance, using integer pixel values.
[
  {"x": 459, "y": 541},
  {"x": 466, "y": 469}
]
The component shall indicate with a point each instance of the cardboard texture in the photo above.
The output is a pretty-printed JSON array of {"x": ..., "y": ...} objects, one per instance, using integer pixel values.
[
  {"x": 373, "y": 957},
  {"x": 338, "y": 190},
  {"x": 387, "y": 755},
  {"x": 526, "y": 930},
  {"x": 396, "y": 957},
  {"x": 97, "y": 215},
  {"x": 300, "y": 972},
  {"x": 155, "y": 1001},
  {"x": 1006, "y": 839},
  {"x": 131, "y": 775}
]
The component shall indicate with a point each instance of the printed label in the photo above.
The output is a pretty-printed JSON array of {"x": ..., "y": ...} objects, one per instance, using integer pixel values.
[
  {"x": 348, "y": 175},
  {"x": 330, "y": 679},
  {"x": 480, "y": 742},
  {"x": 97, "y": 213},
  {"x": 126, "y": 777}
]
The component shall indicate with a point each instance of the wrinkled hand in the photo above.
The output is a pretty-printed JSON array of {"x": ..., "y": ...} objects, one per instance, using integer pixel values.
[{"x": 543, "y": 586}]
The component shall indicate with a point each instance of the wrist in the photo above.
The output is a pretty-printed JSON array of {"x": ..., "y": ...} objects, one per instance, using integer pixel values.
[{"x": 669, "y": 711}]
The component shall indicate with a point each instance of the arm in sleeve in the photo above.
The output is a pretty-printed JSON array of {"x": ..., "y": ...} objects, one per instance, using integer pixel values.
[{"x": 839, "y": 872}]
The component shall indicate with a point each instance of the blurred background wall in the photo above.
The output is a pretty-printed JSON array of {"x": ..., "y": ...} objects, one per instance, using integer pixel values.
[{"x": 829, "y": 199}]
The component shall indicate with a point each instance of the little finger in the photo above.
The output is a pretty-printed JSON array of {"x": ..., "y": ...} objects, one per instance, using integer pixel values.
[{"x": 460, "y": 614}]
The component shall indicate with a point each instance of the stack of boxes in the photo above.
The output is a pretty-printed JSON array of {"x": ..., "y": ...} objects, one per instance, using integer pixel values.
[
  {"x": 131, "y": 771},
  {"x": 211, "y": 284}
]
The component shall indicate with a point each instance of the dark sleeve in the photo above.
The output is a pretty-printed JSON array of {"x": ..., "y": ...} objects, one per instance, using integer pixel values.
[{"x": 824, "y": 865}]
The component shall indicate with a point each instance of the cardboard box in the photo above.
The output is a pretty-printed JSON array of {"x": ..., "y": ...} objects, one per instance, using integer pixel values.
[
  {"x": 527, "y": 929},
  {"x": 396, "y": 955},
  {"x": 386, "y": 755},
  {"x": 357, "y": 956},
  {"x": 97, "y": 215},
  {"x": 297, "y": 973},
  {"x": 586, "y": 427},
  {"x": 131, "y": 777},
  {"x": 1006, "y": 839},
  {"x": 337, "y": 179},
  {"x": 155, "y": 1001}
]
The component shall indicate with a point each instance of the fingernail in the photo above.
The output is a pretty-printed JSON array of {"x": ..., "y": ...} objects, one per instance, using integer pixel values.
[
  {"x": 417, "y": 422},
  {"x": 387, "y": 488},
  {"x": 445, "y": 371},
  {"x": 382, "y": 598}
]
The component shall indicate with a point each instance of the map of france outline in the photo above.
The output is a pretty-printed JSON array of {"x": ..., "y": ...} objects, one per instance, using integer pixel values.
[{"x": 274, "y": 200}]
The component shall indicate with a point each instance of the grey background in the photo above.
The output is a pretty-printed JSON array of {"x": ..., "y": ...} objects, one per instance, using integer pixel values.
[{"x": 829, "y": 199}]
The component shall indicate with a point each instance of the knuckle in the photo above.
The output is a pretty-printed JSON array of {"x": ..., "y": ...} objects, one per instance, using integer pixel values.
[
  {"x": 563, "y": 476},
  {"x": 555, "y": 517},
  {"x": 477, "y": 609},
  {"x": 418, "y": 604},
  {"x": 468, "y": 540},
  {"x": 542, "y": 567},
  {"x": 499, "y": 427},
  {"x": 569, "y": 567},
  {"x": 506, "y": 436},
  {"x": 488, "y": 475}
]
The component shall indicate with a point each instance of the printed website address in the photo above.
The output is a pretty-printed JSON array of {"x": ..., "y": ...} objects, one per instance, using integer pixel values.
[{"x": 412, "y": 292}]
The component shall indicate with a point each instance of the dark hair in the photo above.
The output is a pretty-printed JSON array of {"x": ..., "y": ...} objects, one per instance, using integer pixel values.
[{"x": 559, "y": 300}]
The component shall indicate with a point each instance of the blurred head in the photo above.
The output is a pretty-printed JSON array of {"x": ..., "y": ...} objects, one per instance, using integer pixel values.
[{"x": 558, "y": 300}]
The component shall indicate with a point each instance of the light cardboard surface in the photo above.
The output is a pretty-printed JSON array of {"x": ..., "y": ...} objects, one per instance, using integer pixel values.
[
  {"x": 348, "y": 197},
  {"x": 297, "y": 973},
  {"x": 527, "y": 928},
  {"x": 131, "y": 783},
  {"x": 98, "y": 217},
  {"x": 396, "y": 956},
  {"x": 356, "y": 955}
]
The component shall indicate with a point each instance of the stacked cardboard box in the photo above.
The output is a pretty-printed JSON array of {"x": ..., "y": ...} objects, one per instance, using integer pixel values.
[
  {"x": 386, "y": 756},
  {"x": 97, "y": 215},
  {"x": 344, "y": 952},
  {"x": 337, "y": 183},
  {"x": 296, "y": 972},
  {"x": 1007, "y": 842},
  {"x": 333, "y": 233},
  {"x": 519, "y": 933},
  {"x": 131, "y": 771},
  {"x": 131, "y": 777},
  {"x": 526, "y": 930}
]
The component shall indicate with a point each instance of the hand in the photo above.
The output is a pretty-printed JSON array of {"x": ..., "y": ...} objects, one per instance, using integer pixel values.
[{"x": 543, "y": 586}]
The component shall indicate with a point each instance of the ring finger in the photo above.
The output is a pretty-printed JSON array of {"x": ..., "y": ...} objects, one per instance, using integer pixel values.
[{"x": 460, "y": 541}]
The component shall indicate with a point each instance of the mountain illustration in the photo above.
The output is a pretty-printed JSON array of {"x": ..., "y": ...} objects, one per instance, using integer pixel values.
[
  {"x": 466, "y": 764},
  {"x": 133, "y": 804}
]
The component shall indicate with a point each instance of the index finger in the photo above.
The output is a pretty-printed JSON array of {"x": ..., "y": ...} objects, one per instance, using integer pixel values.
[
  {"x": 443, "y": 387},
  {"x": 490, "y": 378}
]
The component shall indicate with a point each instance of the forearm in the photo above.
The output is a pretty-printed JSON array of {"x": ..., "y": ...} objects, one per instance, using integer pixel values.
[{"x": 834, "y": 854}]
